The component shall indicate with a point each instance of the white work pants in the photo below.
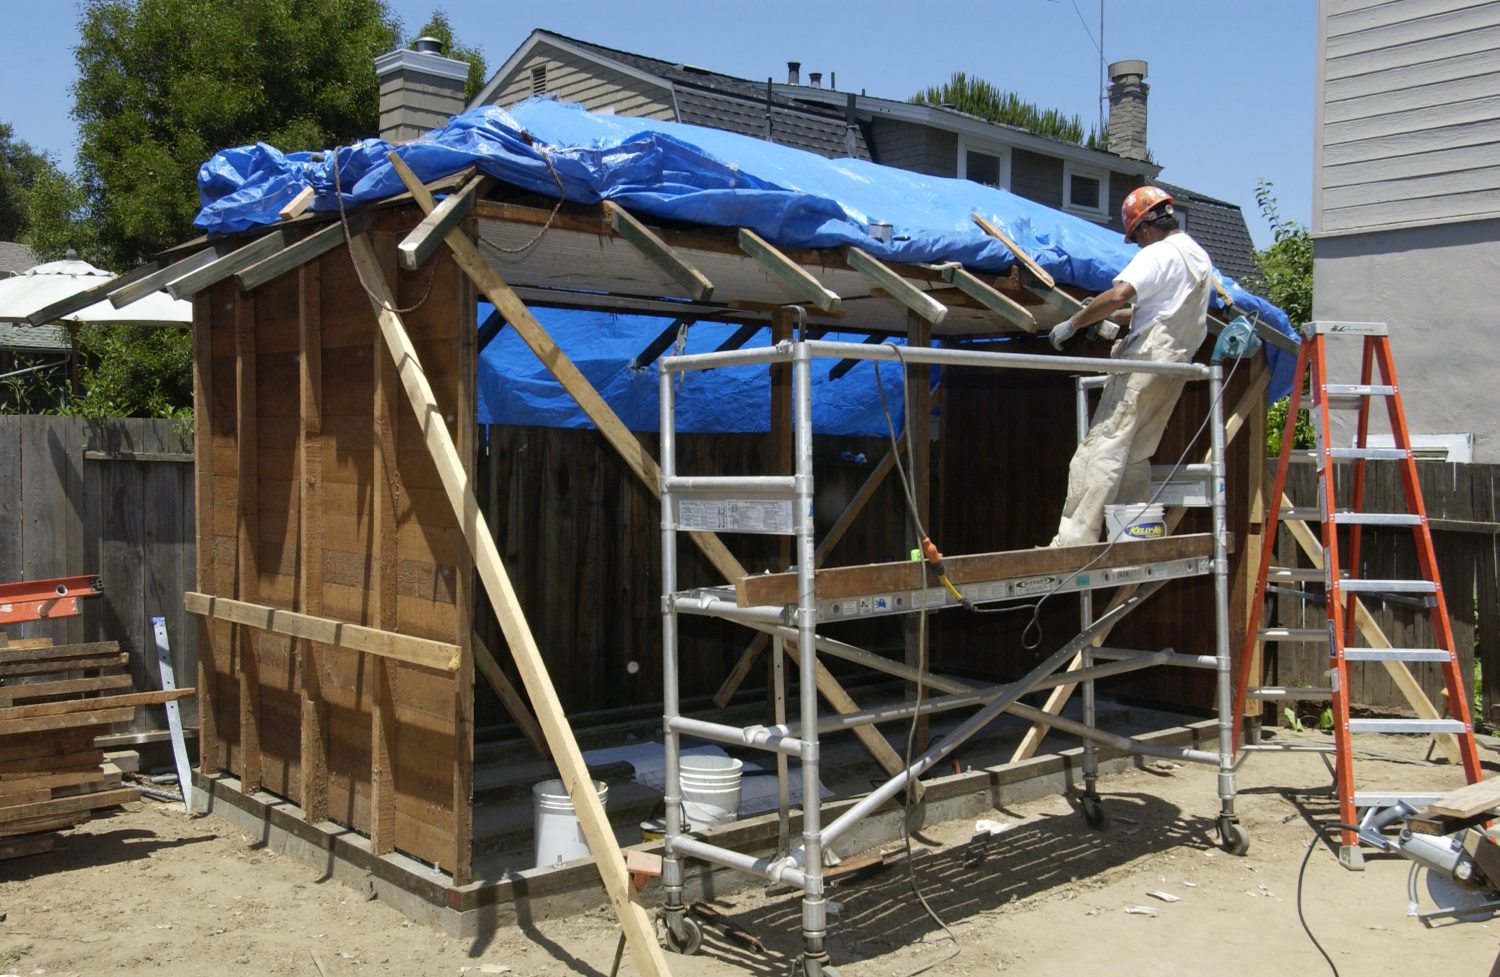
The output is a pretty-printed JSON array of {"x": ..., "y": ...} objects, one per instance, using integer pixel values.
[{"x": 1113, "y": 464}]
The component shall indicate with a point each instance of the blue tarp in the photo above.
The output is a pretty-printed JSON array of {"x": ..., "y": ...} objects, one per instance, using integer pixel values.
[{"x": 706, "y": 176}]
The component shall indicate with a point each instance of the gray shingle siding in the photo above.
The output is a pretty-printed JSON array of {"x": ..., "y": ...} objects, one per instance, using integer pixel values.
[
  {"x": 15, "y": 258},
  {"x": 920, "y": 149},
  {"x": 788, "y": 127},
  {"x": 1219, "y": 226},
  {"x": 1037, "y": 177}
]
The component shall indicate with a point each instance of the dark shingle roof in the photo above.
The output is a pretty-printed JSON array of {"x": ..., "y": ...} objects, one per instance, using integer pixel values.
[
  {"x": 1220, "y": 227},
  {"x": 15, "y": 258},
  {"x": 717, "y": 101}
]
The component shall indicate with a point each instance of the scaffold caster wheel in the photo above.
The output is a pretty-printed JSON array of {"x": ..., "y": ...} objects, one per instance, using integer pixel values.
[
  {"x": 1094, "y": 814},
  {"x": 684, "y": 934},
  {"x": 815, "y": 967},
  {"x": 1233, "y": 837}
]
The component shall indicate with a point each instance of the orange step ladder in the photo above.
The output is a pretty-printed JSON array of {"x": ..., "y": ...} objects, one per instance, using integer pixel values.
[
  {"x": 1347, "y": 618},
  {"x": 42, "y": 600}
]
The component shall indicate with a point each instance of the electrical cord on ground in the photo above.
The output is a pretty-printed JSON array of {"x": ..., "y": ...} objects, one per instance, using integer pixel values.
[{"x": 1319, "y": 830}]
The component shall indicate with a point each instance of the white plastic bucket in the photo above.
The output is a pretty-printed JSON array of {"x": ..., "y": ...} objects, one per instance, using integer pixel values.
[
  {"x": 710, "y": 790},
  {"x": 1134, "y": 520},
  {"x": 557, "y": 834}
]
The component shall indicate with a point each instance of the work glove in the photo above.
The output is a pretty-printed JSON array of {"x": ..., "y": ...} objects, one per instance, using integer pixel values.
[{"x": 1061, "y": 333}]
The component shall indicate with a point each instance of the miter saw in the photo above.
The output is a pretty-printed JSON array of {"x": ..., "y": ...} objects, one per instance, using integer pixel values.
[{"x": 1461, "y": 857}]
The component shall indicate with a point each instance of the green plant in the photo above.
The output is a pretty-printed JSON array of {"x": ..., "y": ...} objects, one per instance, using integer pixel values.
[
  {"x": 1302, "y": 436},
  {"x": 1325, "y": 719},
  {"x": 1292, "y": 721},
  {"x": 978, "y": 97}
]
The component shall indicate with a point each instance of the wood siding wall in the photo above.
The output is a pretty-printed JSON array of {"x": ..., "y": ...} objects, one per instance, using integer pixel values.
[
  {"x": 913, "y": 147},
  {"x": 1037, "y": 177},
  {"x": 1408, "y": 113},
  {"x": 358, "y": 529},
  {"x": 592, "y": 85},
  {"x": 68, "y": 511}
]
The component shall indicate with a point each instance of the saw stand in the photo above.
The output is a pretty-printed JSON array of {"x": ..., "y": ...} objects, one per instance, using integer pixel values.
[{"x": 783, "y": 505}]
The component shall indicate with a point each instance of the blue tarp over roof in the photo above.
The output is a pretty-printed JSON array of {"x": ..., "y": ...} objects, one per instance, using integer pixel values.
[{"x": 687, "y": 173}]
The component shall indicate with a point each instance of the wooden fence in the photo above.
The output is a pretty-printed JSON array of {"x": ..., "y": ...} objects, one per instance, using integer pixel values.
[
  {"x": 1462, "y": 512},
  {"x": 110, "y": 497}
]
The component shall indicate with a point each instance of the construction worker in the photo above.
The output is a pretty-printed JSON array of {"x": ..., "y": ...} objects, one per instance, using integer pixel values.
[{"x": 1168, "y": 281}]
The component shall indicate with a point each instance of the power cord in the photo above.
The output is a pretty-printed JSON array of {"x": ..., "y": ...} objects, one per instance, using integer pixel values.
[{"x": 1319, "y": 830}]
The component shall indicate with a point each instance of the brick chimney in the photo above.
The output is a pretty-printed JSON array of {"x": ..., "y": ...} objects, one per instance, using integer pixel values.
[
  {"x": 1127, "y": 109},
  {"x": 419, "y": 90}
]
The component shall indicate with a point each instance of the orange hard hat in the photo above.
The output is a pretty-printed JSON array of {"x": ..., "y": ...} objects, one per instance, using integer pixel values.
[{"x": 1140, "y": 202}]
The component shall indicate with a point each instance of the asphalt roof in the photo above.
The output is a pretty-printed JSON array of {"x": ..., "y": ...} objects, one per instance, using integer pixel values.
[
  {"x": 15, "y": 258},
  {"x": 718, "y": 101}
]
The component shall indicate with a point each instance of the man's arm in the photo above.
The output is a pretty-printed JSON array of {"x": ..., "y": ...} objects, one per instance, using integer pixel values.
[{"x": 1105, "y": 305}]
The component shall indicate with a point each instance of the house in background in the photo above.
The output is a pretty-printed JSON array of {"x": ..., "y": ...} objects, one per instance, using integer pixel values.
[
  {"x": 930, "y": 139},
  {"x": 29, "y": 354},
  {"x": 1406, "y": 203}
]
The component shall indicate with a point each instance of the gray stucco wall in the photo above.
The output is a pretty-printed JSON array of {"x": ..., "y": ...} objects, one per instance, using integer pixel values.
[{"x": 1432, "y": 286}]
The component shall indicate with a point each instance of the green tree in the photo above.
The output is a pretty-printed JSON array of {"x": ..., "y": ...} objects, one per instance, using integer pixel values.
[
  {"x": 1284, "y": 274},
  {"x": 40, "y": 205},
  {"x": 164, "y": 84},
  {"x": 978, "y": 97},
  {"x": 438, "y": 26}
]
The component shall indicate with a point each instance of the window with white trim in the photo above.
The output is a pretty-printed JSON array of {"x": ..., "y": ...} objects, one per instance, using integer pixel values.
[
  {"x": 984, "y": 163},
  {"x": 1085, "y": 190}
]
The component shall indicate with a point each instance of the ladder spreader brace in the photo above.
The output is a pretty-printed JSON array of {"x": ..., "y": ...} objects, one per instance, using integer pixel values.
[{"x": 42, "y": 600}]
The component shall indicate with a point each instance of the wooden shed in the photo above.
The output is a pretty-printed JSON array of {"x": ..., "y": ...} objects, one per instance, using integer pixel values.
[{"x": 358, "y": 533}]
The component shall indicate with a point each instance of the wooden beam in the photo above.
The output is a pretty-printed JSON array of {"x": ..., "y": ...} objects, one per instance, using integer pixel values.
[
  {"x": 87, "y": 297},
  {"x": 788, "y": 271},
  {"x": 439, "y": 656},
  {"x": 211, "y": 746},
  {"x": 122, "y": 293},
  {"x": 130, "y": 700},
  {"x": 918, "y": 411},
  {"x": 299, "y": 203},
  {"x": 658, "y": 252},
  {"x": 424, "y": 239},
  {"x": 12, "y": 694},
  {"x": 386, "y": 491},
  {"x": 314, "y": 732},
  {"x": 196, "y": 280},
  {"x": 58, "y": 653},
  {"x": 660, "y": 344},
  {"x": 247, "y": 532},
  {"x": 1022, "y": 258},
  {"x": 461, "y": 762},
  {"x": 296, "y": 255},
  {"x": 65, "y": 805},
  {"x": 42, "y": 724},
  {"x": 914, "y": 299},
  {"x": 991, "y": 298},
  {"x": 639, "y": 931},
  {"x": 636, "y": 457},
  {"x": 67, "y": 665},
  {"x": 526, "y": 723}
]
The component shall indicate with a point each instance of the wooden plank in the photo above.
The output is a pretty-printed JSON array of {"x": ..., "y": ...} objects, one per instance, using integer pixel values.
[
  {"x": 212, "y": 750},
  {"x": 796, "y": 277},
  {"x": 37, "y": 724},
  {"x": 24, "y": 643},
  {"x": 1465, "y": 802},
  {"x": 385, "y": 492},
  {"x": 16, "y": 652},
  {"x": 991, "y": 298},
  {"x": 630, "y": 449},
  {"x": 13, "y": 694},
  {"x": 73, "y": 706},
  {"x": 657, "y": 251},
  {"x": 1022, "y": 258},
  {"x": 296, "y": 255},
  {"x": 10, "y": 502},
  {"x": 754, "y": 590},
  {"x": 514, "y": 705},
  {"x": 424, "y": 652},
  {"x": 84, "y": 299},
  {"x": 424, "y": 239},
  {"x": 462, "y": 753},
  {"x": 898, "y": 288},
  {"x": 639, "y": 930},
  {"x": 68, "y": 805},
  {"x": 918, "y": 411},
  {"x": 69, "y": 665},
  {"x": 198, "y": 279},
  {"x": 38, "y": 844},
  {"x": 247, "y": 531},
  {"x": 122, "y": 293},
  {"x": 313, "y": 751},
  {"x": 299, "y": 203}
]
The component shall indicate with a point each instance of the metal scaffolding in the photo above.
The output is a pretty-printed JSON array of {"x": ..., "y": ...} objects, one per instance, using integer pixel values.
[{"x": 783, "y": 505}]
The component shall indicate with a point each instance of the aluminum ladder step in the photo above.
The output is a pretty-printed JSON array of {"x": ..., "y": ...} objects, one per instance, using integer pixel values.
[
  {"x": 1390, "y": 798},
  {"x": 1307, "y": 456},
  {"x": 1396, "y": 655},
  {"x": 1318, "y": 635},
  {"x": 1288, "y": 574},
  {"x": 1406, "y": 726},
  {"x": 1359, "y": 390},
  {"x": 1348, "y": 517},
  {"x": 1287, "y": 748},
  {"x": 1281, "y": 692},
  {"x": 1362, "y": 586}
]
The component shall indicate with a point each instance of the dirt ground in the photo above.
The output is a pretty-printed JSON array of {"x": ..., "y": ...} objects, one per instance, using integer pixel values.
[{"x": 151, "y": 890}]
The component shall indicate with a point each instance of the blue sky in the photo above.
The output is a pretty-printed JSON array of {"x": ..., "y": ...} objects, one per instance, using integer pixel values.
[{"x": 1231, "y": 80}]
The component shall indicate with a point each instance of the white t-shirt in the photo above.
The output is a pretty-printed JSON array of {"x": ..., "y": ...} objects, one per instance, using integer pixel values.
[{"x": 1165, "y": 276}]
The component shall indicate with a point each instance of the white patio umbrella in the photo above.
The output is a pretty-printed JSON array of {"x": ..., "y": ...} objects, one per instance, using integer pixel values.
[{"x": 41, "y": 286}]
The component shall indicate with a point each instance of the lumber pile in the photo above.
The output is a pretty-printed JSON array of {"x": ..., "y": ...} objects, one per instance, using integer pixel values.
[{"x": 55, "y": 701}]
